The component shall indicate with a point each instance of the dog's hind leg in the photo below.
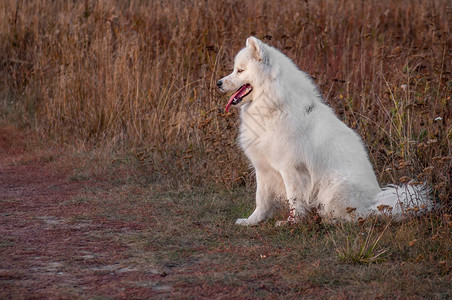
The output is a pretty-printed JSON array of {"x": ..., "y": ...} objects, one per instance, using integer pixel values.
[{"x": 265, "y": 197}]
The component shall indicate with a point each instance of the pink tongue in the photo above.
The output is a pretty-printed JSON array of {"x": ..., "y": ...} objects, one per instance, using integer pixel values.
[
  {"x": 232, "y": 99},
  {"x": 239, "y": 91}
]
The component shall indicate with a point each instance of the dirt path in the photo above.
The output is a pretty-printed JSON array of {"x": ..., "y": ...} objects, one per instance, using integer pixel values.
[
  {"x": 77, "y": 227},
  {"x": 50, "y": 245}
]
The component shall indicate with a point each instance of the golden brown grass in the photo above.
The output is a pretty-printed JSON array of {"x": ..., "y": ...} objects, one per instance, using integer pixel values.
[
  {"x": 139, "y": 77},
  {"x": 135, "y": 81}
]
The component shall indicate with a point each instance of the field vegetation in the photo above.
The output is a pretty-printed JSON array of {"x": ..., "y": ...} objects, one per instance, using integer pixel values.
[{"x": 125, "y": 90}]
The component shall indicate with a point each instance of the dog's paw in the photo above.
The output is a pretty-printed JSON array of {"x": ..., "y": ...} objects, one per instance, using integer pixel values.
[
  {"x": 243, "y": 222},
  {"x": 288, "y": 222},
  {"x": 281, "y": 223}
]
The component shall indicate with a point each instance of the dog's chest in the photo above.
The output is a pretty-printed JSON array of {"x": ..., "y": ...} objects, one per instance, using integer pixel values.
[{"x": 258, "y": 140}]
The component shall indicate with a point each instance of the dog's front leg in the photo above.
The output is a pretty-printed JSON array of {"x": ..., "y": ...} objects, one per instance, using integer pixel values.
[
  {"x": 265, "y": 198},
  {"x": 295, "y": 182}
]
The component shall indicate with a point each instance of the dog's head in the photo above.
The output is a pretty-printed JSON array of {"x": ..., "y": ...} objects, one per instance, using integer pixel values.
[{"x": 250, "y": 71}]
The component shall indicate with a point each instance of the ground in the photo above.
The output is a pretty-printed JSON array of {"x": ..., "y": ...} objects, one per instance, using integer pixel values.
[
  {"x": 53, "y": 244},
  {"x": 75, "y": 227}
]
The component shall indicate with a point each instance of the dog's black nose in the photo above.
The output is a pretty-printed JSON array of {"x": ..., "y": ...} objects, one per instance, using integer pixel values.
[{"x": 219, "y": 83}]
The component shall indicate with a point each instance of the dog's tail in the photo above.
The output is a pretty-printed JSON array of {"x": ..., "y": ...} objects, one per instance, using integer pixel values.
[{"x": 402, "y": 201}]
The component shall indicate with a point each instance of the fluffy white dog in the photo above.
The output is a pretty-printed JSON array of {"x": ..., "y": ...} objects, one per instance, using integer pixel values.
[{"x": 300, "y": 150}]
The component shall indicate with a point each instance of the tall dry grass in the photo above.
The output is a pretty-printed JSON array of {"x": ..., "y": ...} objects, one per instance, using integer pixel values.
[{"x": 139, "y": 76}]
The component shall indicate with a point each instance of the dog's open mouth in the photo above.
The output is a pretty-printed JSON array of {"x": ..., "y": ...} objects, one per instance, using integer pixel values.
[{"x": 241, "y": 93}]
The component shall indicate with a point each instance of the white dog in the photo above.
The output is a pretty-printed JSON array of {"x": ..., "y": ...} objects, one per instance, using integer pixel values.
[{"x": 300, "y": 150}]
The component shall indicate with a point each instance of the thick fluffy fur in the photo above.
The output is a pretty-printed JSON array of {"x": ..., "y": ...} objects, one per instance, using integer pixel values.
[{"x": 299, "y": 149}]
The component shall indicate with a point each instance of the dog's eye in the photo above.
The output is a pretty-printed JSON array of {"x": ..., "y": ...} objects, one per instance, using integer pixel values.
[{"x": 240, "y": 70}]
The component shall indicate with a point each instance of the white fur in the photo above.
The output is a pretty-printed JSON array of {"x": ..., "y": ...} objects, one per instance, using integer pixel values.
[{"x": 299, "y": 148}]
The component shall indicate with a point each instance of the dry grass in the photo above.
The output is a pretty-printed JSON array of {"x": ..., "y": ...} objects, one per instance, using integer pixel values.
[
  {"x": 133, "y": 82},
  {"x": 364, "y": 248},
  {"x": 139, "y": 76}
]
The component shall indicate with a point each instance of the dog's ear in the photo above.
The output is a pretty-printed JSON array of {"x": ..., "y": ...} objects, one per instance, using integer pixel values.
[{"x": 257, "y": 48}]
